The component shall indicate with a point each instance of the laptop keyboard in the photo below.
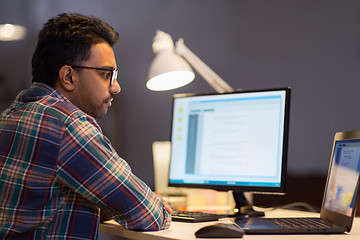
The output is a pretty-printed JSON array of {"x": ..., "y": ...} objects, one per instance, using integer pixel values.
[
  {"x": 300, "y": 223},
  {"x": 189, "y": 216}
]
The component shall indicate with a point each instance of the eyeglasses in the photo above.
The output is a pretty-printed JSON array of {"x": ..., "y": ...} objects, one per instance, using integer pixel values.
[{"x": 111, "y": 73}]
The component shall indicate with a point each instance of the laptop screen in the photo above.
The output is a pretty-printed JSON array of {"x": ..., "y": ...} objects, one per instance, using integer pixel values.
[{"x": 343, "y": 178}]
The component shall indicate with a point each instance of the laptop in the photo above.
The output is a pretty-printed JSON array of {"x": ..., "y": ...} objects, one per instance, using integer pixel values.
[{"x": 339, "y": 201}]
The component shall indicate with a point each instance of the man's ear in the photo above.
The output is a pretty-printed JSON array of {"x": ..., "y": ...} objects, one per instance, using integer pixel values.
[{"x": 66, "y": 78}]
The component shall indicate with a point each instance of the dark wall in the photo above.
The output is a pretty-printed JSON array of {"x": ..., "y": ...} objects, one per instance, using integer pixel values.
[{"x": 310, "y": 45}]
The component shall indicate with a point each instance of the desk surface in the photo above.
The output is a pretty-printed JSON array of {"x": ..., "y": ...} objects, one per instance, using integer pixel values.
[{"x": 179, "y": 230}]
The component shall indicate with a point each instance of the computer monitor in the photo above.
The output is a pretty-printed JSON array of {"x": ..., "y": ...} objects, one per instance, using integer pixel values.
[{"x": 232, "y": 141}]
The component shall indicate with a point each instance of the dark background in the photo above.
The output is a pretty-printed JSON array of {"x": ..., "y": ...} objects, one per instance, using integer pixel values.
[{"x": 310, "y": 45}]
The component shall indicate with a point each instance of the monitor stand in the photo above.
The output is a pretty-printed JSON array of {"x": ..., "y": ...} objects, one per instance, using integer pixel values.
[{"x": 243, "y": 209}]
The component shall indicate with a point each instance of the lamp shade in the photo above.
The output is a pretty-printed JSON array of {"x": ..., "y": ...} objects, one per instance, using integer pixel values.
[{"x": 168, "y": 70}]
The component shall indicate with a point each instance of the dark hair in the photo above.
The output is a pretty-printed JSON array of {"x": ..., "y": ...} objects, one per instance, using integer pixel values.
[{"x": 67, "y": 39}]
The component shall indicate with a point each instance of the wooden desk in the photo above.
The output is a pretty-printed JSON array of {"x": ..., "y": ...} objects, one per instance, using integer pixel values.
[{"x": 179, "y": 230}]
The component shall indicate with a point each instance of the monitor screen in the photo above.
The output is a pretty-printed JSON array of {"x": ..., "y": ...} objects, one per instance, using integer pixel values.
[{"x": 233, "y": 141}]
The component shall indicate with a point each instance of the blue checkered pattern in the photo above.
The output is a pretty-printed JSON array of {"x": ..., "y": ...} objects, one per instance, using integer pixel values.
[{"x": 57, "y": 170}]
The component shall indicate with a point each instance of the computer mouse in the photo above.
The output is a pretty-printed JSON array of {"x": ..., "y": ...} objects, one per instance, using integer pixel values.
[{"x": 220, "y": 230}]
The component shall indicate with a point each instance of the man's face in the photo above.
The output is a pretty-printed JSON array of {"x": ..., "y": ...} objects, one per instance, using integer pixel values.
[{"x": 93, "y": 93}]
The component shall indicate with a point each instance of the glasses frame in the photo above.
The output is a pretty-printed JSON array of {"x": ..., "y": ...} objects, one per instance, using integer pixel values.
[{"x": 114, "y": 72}]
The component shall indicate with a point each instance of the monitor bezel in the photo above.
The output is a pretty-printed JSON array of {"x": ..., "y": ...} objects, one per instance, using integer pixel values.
[{"x": 255, "y": 189}]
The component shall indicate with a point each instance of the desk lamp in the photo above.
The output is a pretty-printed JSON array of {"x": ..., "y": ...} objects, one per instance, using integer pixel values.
[{"x": 170, "y": 69}]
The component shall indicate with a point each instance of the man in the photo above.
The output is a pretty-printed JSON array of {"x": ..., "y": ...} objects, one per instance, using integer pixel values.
[{"x": 57, "y": 169}]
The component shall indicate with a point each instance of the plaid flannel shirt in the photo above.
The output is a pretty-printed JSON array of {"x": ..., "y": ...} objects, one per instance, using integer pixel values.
[{"x": 57, "y": 170}]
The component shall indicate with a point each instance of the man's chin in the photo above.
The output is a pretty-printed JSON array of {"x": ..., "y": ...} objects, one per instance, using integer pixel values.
[{"x": 99, "y": 114}]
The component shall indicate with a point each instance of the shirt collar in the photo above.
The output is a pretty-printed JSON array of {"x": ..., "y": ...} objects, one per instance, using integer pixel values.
[{"x": 47, "y": 90}]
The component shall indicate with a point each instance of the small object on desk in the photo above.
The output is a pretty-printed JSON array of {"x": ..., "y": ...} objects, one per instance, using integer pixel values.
[
  {"x": 220, "y": 230},
  {"x": 190, "y": 216}
]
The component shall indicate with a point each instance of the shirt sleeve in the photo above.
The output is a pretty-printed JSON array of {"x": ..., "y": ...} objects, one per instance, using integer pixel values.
[{"x": 90, "y": 166}]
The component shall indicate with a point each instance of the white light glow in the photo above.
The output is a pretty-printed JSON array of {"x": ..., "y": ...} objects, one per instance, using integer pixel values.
[{"x": 170, "y": 80}]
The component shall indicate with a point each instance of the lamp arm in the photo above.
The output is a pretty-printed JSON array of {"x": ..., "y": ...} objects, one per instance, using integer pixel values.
[{"x": 204, "y": 70}]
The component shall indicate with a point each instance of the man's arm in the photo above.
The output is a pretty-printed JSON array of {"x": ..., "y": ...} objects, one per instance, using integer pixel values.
[{"x": 90, "y": 166}]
